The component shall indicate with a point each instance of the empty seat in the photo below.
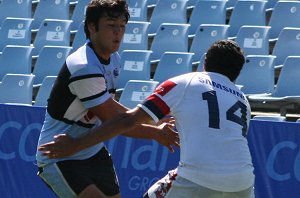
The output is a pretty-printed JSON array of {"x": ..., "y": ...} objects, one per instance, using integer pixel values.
[
  {"x": 135, "y": 36},
  {"x": 277, "y": 118},
  {"x": 136, "y": 91},
  {"x": 169, "y": 37},
  {"x": 172, "y": 64},
  {"x": 15, "y": 59},
  {"x": 15, "y": 31},
  {"x": 138, "y": 10},
  {"x": 50, "y": 9},
  {"x": 257, "y": 75},
  {"x": 44, "y": 91},
  {"x": 52, "y": 32},
  {"x": 16, "y": 88},
  {"x": 205, "y": 36},
  {"x": 285, "y": 14},
  {"x": 207, "y": 12},
  {"x": 247, "y": 12},
  {"x": 167, "y": 12},
  {"x": 79, "y": 38},
  {"x": 286, "y": 91},
  {"x": 135, "y": 66},
  {"x": 254, "y": 40},
  {"x": 78, "y": 14},
  {"x": 288, "y": 44},
  {"x": 15, "y": 9},
  {"x": 49, "y": 62}
]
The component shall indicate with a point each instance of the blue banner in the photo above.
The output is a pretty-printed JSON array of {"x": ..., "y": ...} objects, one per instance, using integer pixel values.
[
  {"x": 275, "y": 149},
  {"x": 139, "y": 163}
]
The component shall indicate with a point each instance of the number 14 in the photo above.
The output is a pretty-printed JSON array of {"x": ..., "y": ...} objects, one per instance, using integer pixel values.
[{"x": 214, "y": 114}]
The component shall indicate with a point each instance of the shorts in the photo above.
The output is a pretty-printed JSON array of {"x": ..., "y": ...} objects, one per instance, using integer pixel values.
[
  {"x": 174, "y": 186},
  {"x": 70, "y": 177}
]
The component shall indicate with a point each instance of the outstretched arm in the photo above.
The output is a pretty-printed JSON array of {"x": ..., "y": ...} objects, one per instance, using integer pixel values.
[{"x": 64, "y": 145}]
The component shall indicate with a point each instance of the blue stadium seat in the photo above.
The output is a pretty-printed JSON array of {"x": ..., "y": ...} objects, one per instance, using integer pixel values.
[
  {"x": 172, "y": 64},
  {"x": 207, "y": 12},
  {"x": 18, "y": 89},
  {"x": 167, "y": 12},
  {"x": 205, "y": 36},
  {"x": 285, "y": 14},
  {"x": 276, "y": 118},
  {"x": 50, "y": 9},
  {"x": 78, "y": 14},
  {"x": 44, "y": 91},
  {"x": 15, "y": 31},
  {"x": 79, "y": 38},
  {"x": 169, "y": 37},
  {"x": 15, "y": 59},
  {"x": 257, "y": 75},
  {"x": 288, "y": 44},
  {"x": 254, "y": 40},
  {"x": 230, "y": 4},
  {"x": 151, "y": 2},
  {"x": 200, "y": 65},
  {"x": 287, "y": 90},
  {"x": 15, "y": 9},
  {"x": 138, "y": 10},
  {"x": 49, "y": 62},
  {"x": 192, "y": 3},
  {"x": 135, "y": 37},
  {"x": 52, "y": 32},
  {"x": 247, "y": 12},
  {"x": 136, "y": 91},
  {"x": 135, "y": 66}
]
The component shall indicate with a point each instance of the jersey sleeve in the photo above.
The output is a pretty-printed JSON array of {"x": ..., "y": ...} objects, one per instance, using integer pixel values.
[
  {"x": 89, "y": 87},
  {"x": 164, "y": 99}
]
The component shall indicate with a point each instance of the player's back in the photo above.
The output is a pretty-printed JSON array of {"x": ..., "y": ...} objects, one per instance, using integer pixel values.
[{"x": 212, "y": 117}]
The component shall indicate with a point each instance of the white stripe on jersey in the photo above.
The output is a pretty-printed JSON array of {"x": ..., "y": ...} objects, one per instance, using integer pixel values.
[{"x": 87, "y": 87}]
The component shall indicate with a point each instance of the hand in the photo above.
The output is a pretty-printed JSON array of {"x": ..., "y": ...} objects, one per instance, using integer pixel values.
[
  {"x": 167, "y": 136},
  {"x": 166, "y": 119},
  {"x": 62, "y": 146}
]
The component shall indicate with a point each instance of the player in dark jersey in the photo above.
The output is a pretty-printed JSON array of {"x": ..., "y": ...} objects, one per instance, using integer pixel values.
[{"x": 81, "y": 99}]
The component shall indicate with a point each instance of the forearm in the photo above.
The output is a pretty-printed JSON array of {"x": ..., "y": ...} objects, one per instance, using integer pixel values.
[{"x": 143, "y": 131}]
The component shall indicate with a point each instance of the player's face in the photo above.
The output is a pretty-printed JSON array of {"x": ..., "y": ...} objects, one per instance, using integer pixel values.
[{"x": 109, "y": 35}]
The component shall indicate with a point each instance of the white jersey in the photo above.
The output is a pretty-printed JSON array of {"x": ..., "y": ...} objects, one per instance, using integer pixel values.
[{"x": 212, "y": 118}]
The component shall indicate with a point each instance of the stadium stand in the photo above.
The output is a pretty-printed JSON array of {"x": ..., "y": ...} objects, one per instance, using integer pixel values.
[
  {"x": 136, "y": 36},
  {"x": 44, "y": 91},
  {"x": 277, "y": 118},
  {"x": 205, "y": 35},
  {"x": 15, "y": 31},
  {"x": 135, "y": 91},
  {"x": 135, "y": 65},
  {"x": 172, "y": 64},
  {"x": 285, "y": 14},
  {"x": 288, "y": 44},
  {"x": 138, "y": 10},
  {"x": 167, "y": 12},
  {"x": 49, "y": 61},
  {"x": 207, "y": 12},
  {"x": 286, "y": 92},
  {"x": 254, "y": 40},
  {"x": 78, "y": 14},
  {"x": 15, "y": 59},
  {"x": 50, "y": 9},
  {"x": 15, "y": 9},
  {"x": 247, "y": 12},
  {"x": 169, "y": 37},
  {"x": 257, "y": 75},
  {"x": 16, "y": 88},
  {"x": 79, "y": 38},
  {"x": 52, "y": 32}
]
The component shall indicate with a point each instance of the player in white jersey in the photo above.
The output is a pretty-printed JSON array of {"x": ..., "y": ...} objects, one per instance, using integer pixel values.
[
  {"x": 212, "y": 118},
  {"x": 82, "y": 98}
]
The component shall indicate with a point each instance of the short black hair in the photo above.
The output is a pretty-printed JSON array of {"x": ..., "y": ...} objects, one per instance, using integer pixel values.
[
  {"x": 225, "y": 57},
  {"x": 97, "y": 9}
]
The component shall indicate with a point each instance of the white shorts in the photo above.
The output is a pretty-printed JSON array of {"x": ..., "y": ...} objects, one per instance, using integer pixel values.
[{"x": 174, "y": 186}]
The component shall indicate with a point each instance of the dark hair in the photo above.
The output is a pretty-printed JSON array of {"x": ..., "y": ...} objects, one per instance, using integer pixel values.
[
  {"x": 100, "y": 8},
  {"x": 225, "y": 57}
]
